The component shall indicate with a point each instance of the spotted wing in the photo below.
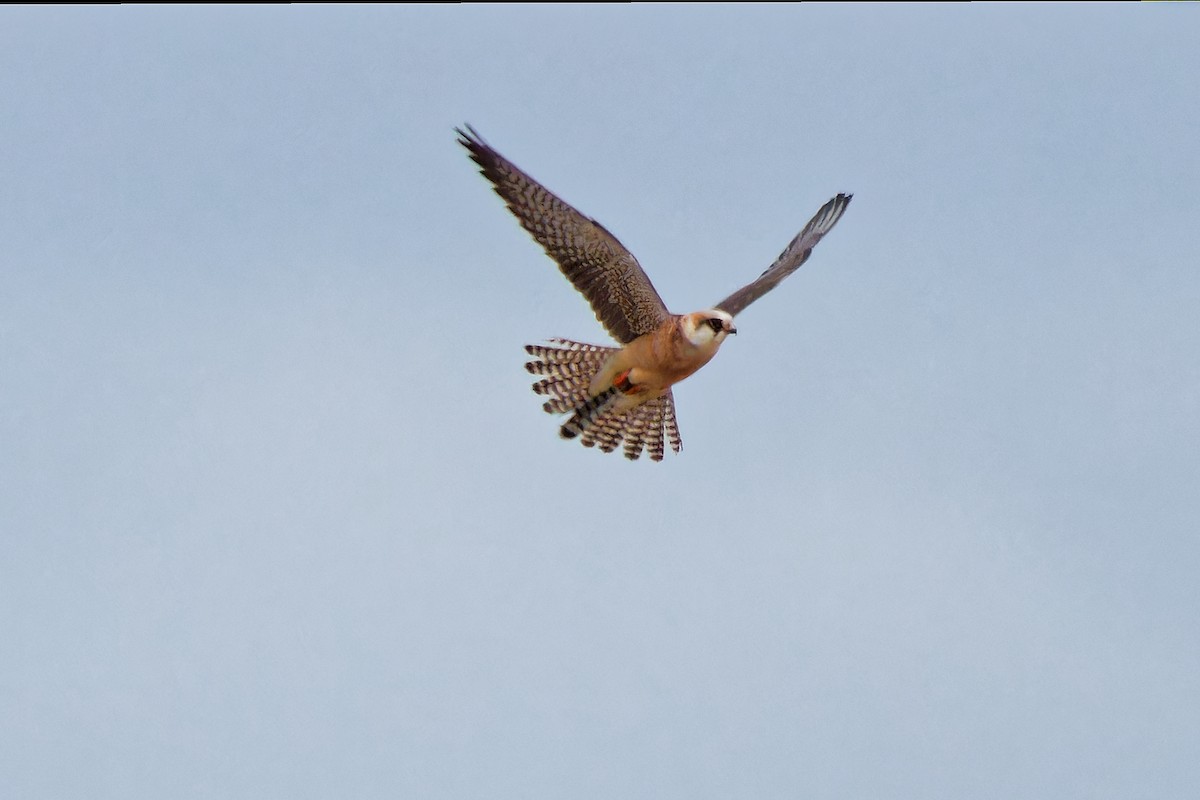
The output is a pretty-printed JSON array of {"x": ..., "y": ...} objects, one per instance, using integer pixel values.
[
  {"x": 791, "y": 258},
  {"x": 599, "y": 266}
]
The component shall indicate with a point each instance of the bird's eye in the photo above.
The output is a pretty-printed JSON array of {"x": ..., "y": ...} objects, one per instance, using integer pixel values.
[{"x": 717, "y": 324}]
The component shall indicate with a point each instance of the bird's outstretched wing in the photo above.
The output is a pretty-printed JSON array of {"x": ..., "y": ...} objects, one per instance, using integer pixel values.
[
  {"x": 607, "y": 274},
  {"x": 791, "y": 258}
]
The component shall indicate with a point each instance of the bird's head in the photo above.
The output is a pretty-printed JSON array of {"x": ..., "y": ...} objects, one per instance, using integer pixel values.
[{"x": 707, "y": 327}]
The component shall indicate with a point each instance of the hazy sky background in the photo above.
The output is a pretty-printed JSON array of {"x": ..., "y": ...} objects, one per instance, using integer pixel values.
[{"x": 281, "y": 517}]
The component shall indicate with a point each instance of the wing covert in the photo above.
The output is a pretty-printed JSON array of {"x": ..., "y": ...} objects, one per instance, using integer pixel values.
[
  {"x": 598, "y": 265},
  {"x": 794, "y": 255}
]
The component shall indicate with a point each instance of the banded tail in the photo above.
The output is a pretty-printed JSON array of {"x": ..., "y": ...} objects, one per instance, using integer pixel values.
[
  {"x": 568, "y": 368},
  {"x": 587, "y": 414}
]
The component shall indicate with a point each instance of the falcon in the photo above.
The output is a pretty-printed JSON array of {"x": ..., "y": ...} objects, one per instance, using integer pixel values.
[{"x": 622, "y": 395}]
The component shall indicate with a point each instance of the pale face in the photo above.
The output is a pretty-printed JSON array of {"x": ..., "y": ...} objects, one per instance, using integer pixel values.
[{"x": 708, "y": 328}]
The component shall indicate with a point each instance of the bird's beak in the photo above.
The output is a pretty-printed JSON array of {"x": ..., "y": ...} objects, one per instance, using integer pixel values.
[{"x": 732, "y": 329}]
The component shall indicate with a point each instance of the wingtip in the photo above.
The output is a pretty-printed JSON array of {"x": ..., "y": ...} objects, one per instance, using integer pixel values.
[
  {"x": 469, "y": 138},
  {"x": 835, "y": 208}
]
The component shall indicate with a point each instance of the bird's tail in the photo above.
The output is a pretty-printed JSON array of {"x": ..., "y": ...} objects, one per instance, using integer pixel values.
[
  {"x": 568, "y": 368},
  {"x": 588, "y": 414}
]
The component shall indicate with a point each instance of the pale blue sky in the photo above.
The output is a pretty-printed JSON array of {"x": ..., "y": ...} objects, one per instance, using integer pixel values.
[{"x": 281, "y": 517}]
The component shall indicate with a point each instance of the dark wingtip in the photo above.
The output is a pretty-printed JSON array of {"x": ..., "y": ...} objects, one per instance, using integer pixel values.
[
  {"x": 470, "y": 135},
  {"x": 474, "y": 143}
]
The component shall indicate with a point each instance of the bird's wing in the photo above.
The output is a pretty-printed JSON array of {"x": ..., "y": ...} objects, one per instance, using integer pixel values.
[
  {"x": 599, "y": 266},
  {"x": 791, "y": 258}
]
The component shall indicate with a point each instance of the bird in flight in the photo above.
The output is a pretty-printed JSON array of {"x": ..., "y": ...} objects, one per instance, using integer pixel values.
[{"x": 622, "y": 395}]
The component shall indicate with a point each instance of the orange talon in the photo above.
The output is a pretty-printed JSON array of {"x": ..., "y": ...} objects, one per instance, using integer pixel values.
[{"x": 623, "y": 383}]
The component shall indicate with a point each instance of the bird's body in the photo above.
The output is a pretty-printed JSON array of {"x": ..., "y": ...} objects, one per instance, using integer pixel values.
[
  {"x": 623, "y": 394},
  {"x": 649, "y": 365}
]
